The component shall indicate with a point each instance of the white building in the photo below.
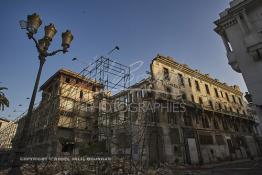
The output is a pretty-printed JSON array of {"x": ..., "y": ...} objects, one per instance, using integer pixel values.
[
  {"x": 3, "y": 122},
  {"x": 7, "y": 132},
  {"x": 211, "y": 124},
  {"x": 240, "y": 27}
]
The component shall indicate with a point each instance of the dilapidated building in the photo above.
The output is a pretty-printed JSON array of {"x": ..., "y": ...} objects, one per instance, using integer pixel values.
[
  {"x": 63, "y": 118},
  {"x": 7, "y": 132},
  {"x": 182, "y": 115},
  {"x": 177, "y": 115}
]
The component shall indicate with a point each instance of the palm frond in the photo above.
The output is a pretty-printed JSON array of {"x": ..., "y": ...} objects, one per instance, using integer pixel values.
[
  {"x": 4, "y": 102},
  {"x": 3, "y": 88}
]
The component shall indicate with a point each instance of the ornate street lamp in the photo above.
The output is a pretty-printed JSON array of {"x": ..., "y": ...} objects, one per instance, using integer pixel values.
[
  {"x": 67, "y": 38},
  {"x": 31, "y": 25},
  {"x": 50, "y": 31}
]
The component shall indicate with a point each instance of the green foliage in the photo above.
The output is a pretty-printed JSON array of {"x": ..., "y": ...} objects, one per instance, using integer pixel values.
[{"x": 4, "y": 102}]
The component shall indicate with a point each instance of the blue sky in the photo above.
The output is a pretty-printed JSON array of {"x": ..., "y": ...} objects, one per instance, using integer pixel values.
[{"x": 182, "y": 29}]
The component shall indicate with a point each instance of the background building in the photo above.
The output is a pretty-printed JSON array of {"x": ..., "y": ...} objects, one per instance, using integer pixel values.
[
  {"x": 240, "y": 27},
  {"x": 176, "y": 115},
  {"x": 7, "y": 133},
  {"x": 62, "y": 120},
  {"x": 3, "y": 122},
  {"x": 212, "y": 122}
]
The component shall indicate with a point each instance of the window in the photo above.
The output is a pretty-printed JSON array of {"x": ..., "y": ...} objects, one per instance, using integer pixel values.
[
  {"x": 207, "y": 89},
  {"x": 67, "y": 80},
  {"x": 135, "y": 148},
  {"x": 219, "y": 106},
  {"x": 184, "y": 96},
  {"x": 181, "y": 80},
  {"x": 168, "y": 90},
  {"x": 210, "y": 104},
  {"x": 171, "y": 118},
  {"x": 67, "y": 148},
  {"x": 174, "y": 135},
  {"x": 197, "y": 119},
  {"x": 240, "y": 101},
  {"x": 220, "y": 140},
  {"x": 140, "y": 94},
  {"x": 93, "y": 88},
  {"x": 166, "y": 74},
  {"x": 130, "y": 98},
  {"x": 236, "y": 127},
  {"x": 81, "y": 94},
  {"x": 221, "y": 94},
  {"x": 205, "y": 122},
  {"x": 188, "y": 120},
  {"x": 227, "y": 97},
  {"x": 216, "y": 124},
  {"x": 244, "y": 128},
  {"x": 156, "y": 116},
  {"x": 216, "y": 92},
  {"x": 197, "y": 85},
  {"x": 125, "y": 100},
  {"x": 189, "y": 82},
  {"x": 192, "y": 98},
  {"x": 177, "y": 151},
  {"x": 225, "y": 124},
  {"x": 233, "y": 97},
  {"x": 206, "y": 139},
  {"x": 149, "y": 116},
  {"x": 88, "y": 106},
  {"x": 200, "y": 100},
  {"x": 67, "y": 104}
]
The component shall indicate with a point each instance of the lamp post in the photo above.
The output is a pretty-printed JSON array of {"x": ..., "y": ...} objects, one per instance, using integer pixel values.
[{"x": 31, "y": 26}]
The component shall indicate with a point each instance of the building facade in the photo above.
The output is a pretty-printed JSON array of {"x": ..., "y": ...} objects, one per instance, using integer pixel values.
[
  {"x": 240, "y": 27},
  {"x": 61, "y": 121},
  {"x": 7, "y": 132},
  {"x": 186, "y": 117},
  {"x": 177, "y": 115},
  {"x": 3, "y": 122}
]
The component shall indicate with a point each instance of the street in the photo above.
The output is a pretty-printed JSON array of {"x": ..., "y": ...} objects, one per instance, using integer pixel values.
[{"x": 245, "y": 168}]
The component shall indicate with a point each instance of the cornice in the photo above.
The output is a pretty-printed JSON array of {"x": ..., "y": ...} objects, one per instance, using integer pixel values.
[{"x": 194, "y": 73}]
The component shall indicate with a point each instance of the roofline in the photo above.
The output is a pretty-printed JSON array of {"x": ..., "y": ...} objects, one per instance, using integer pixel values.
[
  {"x": 4, "y": 119},
  {"x": 231, "y": 12},
  {"x": 70, "y": 73},
  {"x": 201, "y": 75}
]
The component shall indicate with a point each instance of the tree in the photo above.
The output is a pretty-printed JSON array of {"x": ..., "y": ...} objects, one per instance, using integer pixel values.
[{"x": 4, "y": 102}]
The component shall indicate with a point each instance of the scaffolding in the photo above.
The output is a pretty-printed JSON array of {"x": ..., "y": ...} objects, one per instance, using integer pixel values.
[{"x": 111, "y": 77}]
